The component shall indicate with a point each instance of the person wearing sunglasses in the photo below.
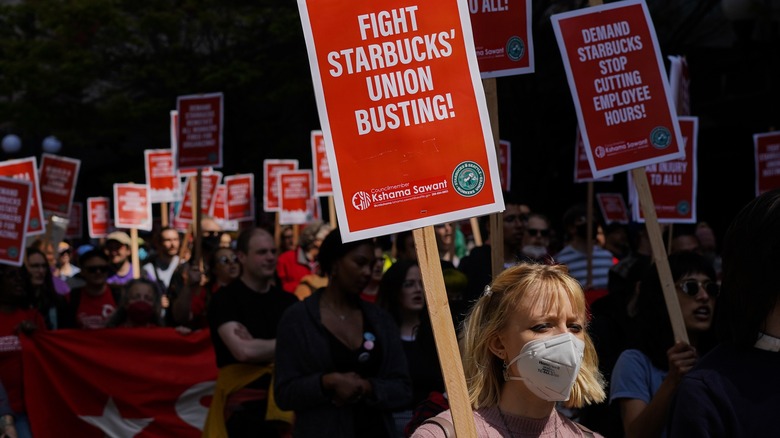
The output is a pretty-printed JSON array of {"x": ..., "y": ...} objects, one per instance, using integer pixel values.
[
  {"x": 646, "y": 376},
  {"x": 734, "y": 391},
  {"x": 536, "y": 238},
  {"x": 190, "y": 309},
  {"x": 92, "y": 305}
]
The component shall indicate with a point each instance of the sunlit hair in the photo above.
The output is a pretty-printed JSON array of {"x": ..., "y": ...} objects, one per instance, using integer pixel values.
[{"x": 529, "y": 285}]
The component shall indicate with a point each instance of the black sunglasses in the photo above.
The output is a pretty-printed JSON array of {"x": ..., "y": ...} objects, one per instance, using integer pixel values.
[
  {"x": 227, "y": 259},
  {"x": 96, "y": 269},
  {"x": 691, "y": 287},
  {"x": 538, "y": 232}
]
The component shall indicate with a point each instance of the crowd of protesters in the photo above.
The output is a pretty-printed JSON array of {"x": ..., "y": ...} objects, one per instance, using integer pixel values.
[{"x": 356, "y": 354}]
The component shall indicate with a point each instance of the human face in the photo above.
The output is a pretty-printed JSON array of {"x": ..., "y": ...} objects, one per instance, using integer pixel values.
[
  {"x": 515, "y": 217},
  {"x": 444, "y": 236},
  {"x": 287, "y": 239},
  {"x": 412, "y": 293},
  {"x": 117, "y": 252},
  {"x": 169, "y": 241},
  {"x": 260, "y": 260},
  {"x": 537, "y": 232},
  {"x": 140, "y": 292},
  {"x": 224, "y": 240},
  {"x": 539, "y": 320},
  {"x": 352, "y": 271},
  {"x": 697, "y": 310},
  {"x": 94, "y": 271},
  {"x": 12, "y": 283},
  {"x": 226, "y": 267},
  {"x": 37, "y": 266},
  {"x": 379, "y": 265}
]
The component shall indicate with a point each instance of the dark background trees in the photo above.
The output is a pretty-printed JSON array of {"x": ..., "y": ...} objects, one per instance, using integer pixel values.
[{"x": 102, "y": 76}]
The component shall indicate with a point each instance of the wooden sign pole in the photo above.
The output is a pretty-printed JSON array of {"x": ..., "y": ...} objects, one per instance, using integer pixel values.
[
  {"x": 134, "y": 253},
  {"x": 444, "y": 332},
  {"x": 659, "y": 253},
  {"x": 164, "y": 214},
  {"x": 332, "y": 212}
]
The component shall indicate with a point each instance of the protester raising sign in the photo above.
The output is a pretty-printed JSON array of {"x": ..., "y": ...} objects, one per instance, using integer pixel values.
[
  {"x": 402, "y": 107},
  {"x": 619, "y": 85}
]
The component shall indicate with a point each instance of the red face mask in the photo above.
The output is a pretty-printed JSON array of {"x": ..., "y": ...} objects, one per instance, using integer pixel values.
[{"x": 140, "y": 312}]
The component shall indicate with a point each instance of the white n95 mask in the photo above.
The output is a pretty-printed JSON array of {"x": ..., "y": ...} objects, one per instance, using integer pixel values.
[{"x": 549, "y": 366}]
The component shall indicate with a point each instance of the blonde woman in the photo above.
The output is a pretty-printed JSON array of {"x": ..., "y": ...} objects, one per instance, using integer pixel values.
[{"x": 526, "y": 349}]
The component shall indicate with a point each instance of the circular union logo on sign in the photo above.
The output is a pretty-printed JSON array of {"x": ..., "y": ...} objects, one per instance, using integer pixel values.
[
  {"x": 361, "y": 201},
  {"x": 13, "y": 252},
  {"x": 515, "y": 48},
  {"x": 468, "y": 178},
  {"x": 683, "y": 207},
  {"x": 34, "y": 222},
  {"x": 660, "y": 137}
]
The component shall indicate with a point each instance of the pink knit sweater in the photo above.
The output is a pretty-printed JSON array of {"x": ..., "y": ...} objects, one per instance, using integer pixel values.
[{"x": 489, "y": 424}]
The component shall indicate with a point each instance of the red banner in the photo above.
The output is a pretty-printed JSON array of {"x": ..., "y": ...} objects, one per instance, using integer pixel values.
[
  {"x": 58, "y": 178},
  {"x": 137, "y": 382}
]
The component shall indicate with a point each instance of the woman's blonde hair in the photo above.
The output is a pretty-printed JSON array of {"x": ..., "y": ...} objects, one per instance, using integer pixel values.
[{"x": 535, "y": 284}]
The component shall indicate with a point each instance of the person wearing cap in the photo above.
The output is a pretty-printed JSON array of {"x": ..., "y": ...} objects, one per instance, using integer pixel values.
[
  {"x": 65, "y": 269},
  {"x": 117, "y": 249}
]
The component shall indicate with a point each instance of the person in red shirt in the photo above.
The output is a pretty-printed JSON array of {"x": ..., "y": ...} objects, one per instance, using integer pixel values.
[
  {"x": 93, "y": 304},
  {"x": 301, "y": 261},
  {"x": 16, "y": 316}
]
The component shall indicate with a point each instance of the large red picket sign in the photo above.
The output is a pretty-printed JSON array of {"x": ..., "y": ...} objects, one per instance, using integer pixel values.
[{"x": 139, "y": 382}]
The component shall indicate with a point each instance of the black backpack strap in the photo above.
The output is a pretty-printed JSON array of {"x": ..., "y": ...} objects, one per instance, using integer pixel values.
[{"x": 444, "y": 424}]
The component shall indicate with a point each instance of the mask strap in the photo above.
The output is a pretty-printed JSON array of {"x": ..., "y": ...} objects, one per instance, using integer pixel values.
[{"x": 507, "y": 377}]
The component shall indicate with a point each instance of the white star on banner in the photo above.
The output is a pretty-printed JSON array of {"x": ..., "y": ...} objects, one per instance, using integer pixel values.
[{"x": 113, "y": 425}]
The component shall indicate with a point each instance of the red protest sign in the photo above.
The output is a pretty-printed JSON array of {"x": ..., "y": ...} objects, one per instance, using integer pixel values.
[
  {"x": 75, "y": 228},
  {"x": 673, "y": 182},
  {"x": 613, "y": 208},
  {"x": 132, "y": 207},
  {"x": 766, "y": 148},
  {"x": 208, "y": 189},
  {"x": 240, "y": 197},
  {"x": 619, "y": 86},
  {"x": 319, "y": 159},
  {"x": 502, "y": 36},
  {"x": 98, "y": 217},
  {"x": 296, "y": 204},
  {"x": 505, "y": 163},
  {"x": 161, "y": 175},
  {"x": 14, "y": 214},
  {"x": 199, "y": 141},
  {"x": 405, "y": 122},
  {"x": 582, "y": 172},
  {"x": 220, "y": 203},
  {"x": 271, "y": 169},
  {"x": 27, "y": 169},
  {"x": 58, "y": 178}
]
